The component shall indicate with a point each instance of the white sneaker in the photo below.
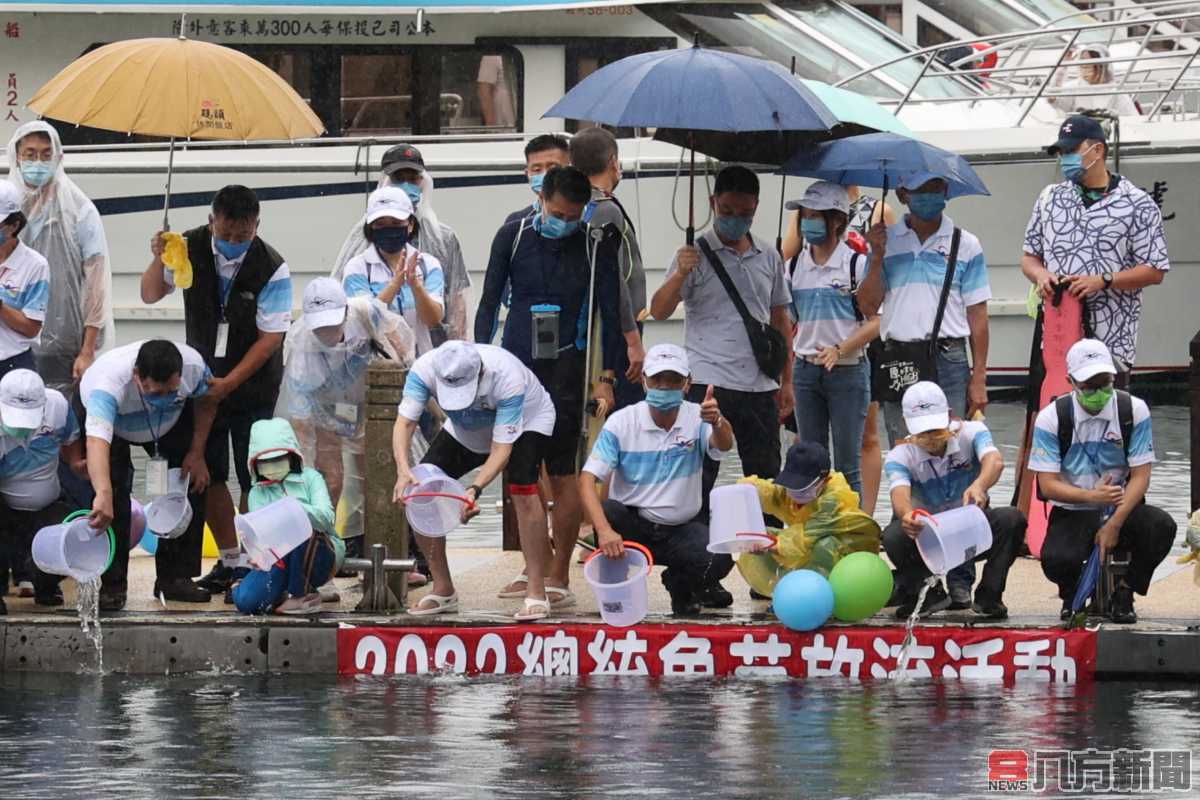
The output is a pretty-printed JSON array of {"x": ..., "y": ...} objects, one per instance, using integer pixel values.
[
  {"x": 25, "y": 589},
  {"x": 329, "y": 593},
  {"x": 309, "y": 604}
]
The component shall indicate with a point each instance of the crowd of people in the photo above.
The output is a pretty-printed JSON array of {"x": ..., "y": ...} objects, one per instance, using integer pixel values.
[{"x": 865, "y": 310}]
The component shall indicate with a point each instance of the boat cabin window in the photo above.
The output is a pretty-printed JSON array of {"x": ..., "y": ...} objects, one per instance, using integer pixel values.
[{"x": 386, "y": 91}]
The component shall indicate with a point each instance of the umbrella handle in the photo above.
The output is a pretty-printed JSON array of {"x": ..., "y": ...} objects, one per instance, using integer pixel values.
[
  {"x": 691, "y": 228},
  {"x": 167, "y": 192}
]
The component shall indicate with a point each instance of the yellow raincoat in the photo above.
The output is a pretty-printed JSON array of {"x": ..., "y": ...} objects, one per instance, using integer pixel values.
[{"x": 817, "y": 535}]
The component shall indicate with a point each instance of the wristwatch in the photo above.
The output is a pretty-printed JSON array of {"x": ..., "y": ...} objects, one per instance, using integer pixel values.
[
  {"x": 478, "y": 490},
  {"x": 607, "y": 379},
  {"x": 1108, "y": 279}
]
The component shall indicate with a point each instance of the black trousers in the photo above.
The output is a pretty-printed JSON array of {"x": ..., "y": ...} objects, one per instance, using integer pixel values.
[
  {"x": 174, "y": 558},
  {"x": 1008, "y": 533},
  {"x": 754, "y": 417},
  {"x": 682, "y": 549},
  {"x": 18, "y": 529},
  {"x": 1146, "y": 537}
]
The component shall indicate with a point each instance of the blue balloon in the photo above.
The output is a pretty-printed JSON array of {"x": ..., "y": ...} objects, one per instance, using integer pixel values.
[
  {"x": 803, "y": 600},
  {"x": 149, "y": 542}
]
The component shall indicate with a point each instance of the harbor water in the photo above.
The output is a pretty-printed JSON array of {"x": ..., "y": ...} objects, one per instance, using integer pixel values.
[{"x": 217, "y": 736}]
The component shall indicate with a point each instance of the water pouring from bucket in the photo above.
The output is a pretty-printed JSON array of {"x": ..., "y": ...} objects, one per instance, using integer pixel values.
[
  {"x": 953, "y": 537},
  {"x": 74, "y": 549},
  {"x": 736, "y": 524},
  {"x": 620, "y": 584}
]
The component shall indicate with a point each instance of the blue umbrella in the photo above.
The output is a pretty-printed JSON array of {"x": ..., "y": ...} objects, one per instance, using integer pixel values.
[
  {"x": 1087, "y": 581},
  {"x": 883, "y": 159},
  {"x": 728, "y": 106}
]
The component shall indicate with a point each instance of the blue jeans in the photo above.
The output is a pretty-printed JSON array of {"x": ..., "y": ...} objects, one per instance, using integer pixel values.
[
  {"x": 259, "y": 592},
  {"x": 954, "y": 373},
  {"x": 834, "y": 401}
]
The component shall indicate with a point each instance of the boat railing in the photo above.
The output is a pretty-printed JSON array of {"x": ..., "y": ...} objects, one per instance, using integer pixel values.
[{"x": 1157, "y": 64}]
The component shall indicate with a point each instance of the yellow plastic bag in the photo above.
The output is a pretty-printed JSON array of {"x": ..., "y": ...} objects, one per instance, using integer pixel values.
[{"x": 175, "y": 258}]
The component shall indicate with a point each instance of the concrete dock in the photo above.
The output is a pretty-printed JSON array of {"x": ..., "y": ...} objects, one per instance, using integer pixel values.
[{"x": 179, "y": 638}]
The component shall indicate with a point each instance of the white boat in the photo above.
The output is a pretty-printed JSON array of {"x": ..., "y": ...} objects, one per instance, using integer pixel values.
[{"x": 468, "y": 81}]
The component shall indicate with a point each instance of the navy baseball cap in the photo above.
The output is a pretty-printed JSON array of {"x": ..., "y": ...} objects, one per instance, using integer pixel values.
[
  {"x": 1073, "y": 131},
  {"x": 402, "y": 156},
  {"x": 806, "y": 462}
]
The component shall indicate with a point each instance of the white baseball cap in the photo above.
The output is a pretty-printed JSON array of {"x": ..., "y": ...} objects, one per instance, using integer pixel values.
[
  {"x": 666, "y": 358},
  {"x": 389, "y": 201},
  {"x": 456, "y": 367},
  {"x": 1088, "y": 358},
  {"x": 22, "y": 399},
  {"x": 925, "y": 408},
  {"x": 324, "y": 303},
  {"x": 10, "y": 200},
  {"x": 822, "y": 196}
]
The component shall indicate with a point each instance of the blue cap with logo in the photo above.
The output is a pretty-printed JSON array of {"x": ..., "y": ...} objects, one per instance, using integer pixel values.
[{"x": 1074, "y": 130}]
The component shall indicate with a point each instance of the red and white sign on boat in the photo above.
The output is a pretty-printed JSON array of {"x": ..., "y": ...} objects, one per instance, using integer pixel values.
[{"x": 857, "y": 653}]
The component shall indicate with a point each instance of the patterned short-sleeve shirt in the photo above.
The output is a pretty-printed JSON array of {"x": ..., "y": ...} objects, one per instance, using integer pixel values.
[{"x": 1122, "y": 230}]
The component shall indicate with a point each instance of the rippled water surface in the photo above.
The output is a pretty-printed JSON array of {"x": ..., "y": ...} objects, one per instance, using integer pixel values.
[{"x": 440, "y": 737}]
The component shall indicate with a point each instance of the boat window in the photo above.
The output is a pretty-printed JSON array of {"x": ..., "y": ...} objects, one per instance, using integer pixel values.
[
  {"x": 376, "y": 94},
  {"x": 585, "y": 56},
  {"x": 479, "y": 91}
]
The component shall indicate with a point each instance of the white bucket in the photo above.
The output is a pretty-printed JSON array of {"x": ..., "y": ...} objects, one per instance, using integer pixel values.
[
  {"x": 177, "y": 482},
  {"x": 168, "y": 517},
  {"x": 620, "y": 584},
  {"x": 273, "y": 531},
  {"x": 736, "y": 523},
  {"x": 73, "y": 549},
  {"x": 433, "y": 516},
  {"x": 954, "y": 537}
]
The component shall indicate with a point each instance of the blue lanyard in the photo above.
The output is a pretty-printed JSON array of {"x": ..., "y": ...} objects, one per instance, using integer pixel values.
[{"x": 149, "y": 423}]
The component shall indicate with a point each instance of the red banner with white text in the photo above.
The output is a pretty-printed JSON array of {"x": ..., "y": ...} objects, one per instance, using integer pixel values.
[{"x": 858, "y": 653}]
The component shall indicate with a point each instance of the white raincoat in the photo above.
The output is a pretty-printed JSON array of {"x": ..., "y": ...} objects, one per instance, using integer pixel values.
[
  {"x": 434, "y": 238},
  {"x": 65, "y": 227}
]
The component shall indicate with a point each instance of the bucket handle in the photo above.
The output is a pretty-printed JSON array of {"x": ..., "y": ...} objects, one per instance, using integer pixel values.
[
  {"x": 758, "y": 535},
  {"x": 920, "y": 512},
  {"x": 460, "y": 498},
  {"x": 627, "y": 543},
  {"x": 112, "y": 537}
]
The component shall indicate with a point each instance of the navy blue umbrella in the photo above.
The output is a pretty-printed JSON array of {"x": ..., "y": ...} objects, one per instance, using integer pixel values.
[
  {"x": 1087, "y": 581},
  {"x": 883, "y": 159},
  {"x": 728, "y": 106}
]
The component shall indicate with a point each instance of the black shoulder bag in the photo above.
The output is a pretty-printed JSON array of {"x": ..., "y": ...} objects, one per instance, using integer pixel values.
[
  {"x": 771, "y": 350},
  {"x": 905, "y": 363}
]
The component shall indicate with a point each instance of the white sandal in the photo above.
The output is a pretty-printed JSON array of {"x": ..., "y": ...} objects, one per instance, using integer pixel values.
[
  {"x": 533, "y": 610},
  {"x": 443, "y": 604},
  {"x": 514, "y": 593},
  {"x": 560, "y": 597}
]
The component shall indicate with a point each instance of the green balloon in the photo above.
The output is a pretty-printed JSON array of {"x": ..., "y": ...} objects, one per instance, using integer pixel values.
[{"x": 862, "y": 584}]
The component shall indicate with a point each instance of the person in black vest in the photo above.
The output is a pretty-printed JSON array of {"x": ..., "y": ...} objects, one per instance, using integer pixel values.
[{"x": 237, "y": 311}]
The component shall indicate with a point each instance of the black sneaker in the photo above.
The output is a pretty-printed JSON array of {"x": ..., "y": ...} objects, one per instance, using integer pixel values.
[
  {"x": 936, "y": 600},
  {"x": 180, "y": 590},
  {"x": 715, "y": 596},
  {"x": 685, "y": 606},
  {"x": 990, "y": 609},
  {"x": 112, "y": 601},
  {"x": 960, "y": 597},
  {"x": 354, "y": 549},
  {"x": 3, "y": 607},
  {"x": 758, "y": 596},
  {"x": 1120, "y": 606},
  {"x": 51, "y": 597},
  {"x": 221, "y": 577}
]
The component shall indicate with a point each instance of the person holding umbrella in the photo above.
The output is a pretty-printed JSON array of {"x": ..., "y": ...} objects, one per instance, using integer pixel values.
[
  {"x": 237, "y": 311},
  {"x": 727, "y": 274}
]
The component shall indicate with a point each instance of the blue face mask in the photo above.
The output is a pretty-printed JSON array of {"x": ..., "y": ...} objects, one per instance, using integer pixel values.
[
  {"x": 160, "y": 402},
  {"x": 813, "y": 230},
  {"x": 927, "y": 205},
  {"x": 3, "y": 237},
  {"x": 231, "y": 251},
  {"x": 664, "y": 399},
  {"x": 412, "y": 190},
  {"x": 389, "y": 240},
  {"x": 536, "y": 181},
  {"x": 553, "y": 227},
  {"x": 36, "y": 173},
  {"x": 1071, "y": 165},
  {"x": 731, "y": 229}
]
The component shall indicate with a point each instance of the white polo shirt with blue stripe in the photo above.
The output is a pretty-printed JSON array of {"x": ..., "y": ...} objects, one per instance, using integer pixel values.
[
  {"x": 913, "y": 274},
  {"x": 822, "y": 302},
  {"x": 938, "y": 482},
  {"x": 368, "y": 274},
  {"x": 24, "y": 287},
  {"x": 657, "y": 471},
  {"x": 115, "y": 405},
  {"x": 273, "y": 313},
  {"x": 1096, "y": 450},
  {"x": 29, "y": 467},
  {"x": 509, "y": 401}
]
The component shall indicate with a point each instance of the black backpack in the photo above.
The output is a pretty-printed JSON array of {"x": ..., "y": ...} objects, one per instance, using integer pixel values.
[{"x": 1065, "y": 409}]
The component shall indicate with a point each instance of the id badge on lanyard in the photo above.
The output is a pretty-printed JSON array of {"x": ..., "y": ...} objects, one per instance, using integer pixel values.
[
  {"x": 156, "y": 477},
  {"x": 222, "y": 344}
]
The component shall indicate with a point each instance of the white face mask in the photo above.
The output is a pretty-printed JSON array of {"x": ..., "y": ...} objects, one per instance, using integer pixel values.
[{"x": 276, "y": 469}]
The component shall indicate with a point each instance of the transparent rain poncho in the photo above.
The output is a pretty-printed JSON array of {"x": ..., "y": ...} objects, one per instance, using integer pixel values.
[
  {"x": 434, "y": 238},
  {"x": 65, "y": 227},
  {"x": 324, "y": 396}
]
